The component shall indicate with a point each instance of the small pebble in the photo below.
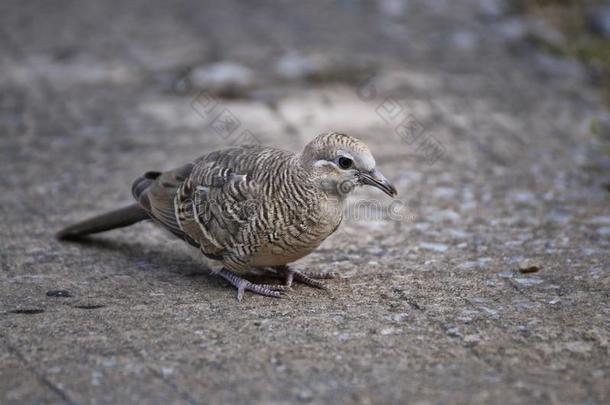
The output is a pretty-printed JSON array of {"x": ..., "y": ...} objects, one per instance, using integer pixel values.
[{"x": 528, "y": 266}]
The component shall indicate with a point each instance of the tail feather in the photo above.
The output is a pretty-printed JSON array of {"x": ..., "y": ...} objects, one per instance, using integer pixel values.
[{"x": 114, "y": 219}]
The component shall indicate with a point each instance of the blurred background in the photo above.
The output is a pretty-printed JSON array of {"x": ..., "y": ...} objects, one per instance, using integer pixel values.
[{"x": 490, "y": 116}]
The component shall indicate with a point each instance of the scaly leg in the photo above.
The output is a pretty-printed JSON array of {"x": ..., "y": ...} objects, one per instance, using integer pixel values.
[
  {"x": 308, "y": 278},
  {"x": 242, "y": 285}
]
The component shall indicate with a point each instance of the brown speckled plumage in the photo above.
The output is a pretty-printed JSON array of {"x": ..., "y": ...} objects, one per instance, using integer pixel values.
[{"x": 253, "y": 207}]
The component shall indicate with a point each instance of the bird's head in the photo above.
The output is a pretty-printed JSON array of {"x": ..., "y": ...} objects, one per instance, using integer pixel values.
[{"x": 341, "y": 162}]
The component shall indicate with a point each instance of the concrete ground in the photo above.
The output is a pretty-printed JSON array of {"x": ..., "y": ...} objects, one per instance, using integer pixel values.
[{"x": 487, "y": 281}]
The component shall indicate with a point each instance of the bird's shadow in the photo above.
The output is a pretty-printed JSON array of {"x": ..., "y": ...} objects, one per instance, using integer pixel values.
[
  {"x": 143, "y": 257},
  {"x": 147, "y": 259}
]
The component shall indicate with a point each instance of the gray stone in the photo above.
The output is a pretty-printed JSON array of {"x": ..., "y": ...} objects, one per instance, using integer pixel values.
[
  {"x": 225, "y": 78},
  {"x": 527, "y": 266}
]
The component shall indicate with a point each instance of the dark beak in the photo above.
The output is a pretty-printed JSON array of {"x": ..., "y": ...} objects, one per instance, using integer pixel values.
[{"x": 376, "y": 179}]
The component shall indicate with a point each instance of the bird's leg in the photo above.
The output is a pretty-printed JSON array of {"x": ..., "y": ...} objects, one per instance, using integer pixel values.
[
  {"x": 309, "y": 278},
  {"x": 242, "y": 285}
]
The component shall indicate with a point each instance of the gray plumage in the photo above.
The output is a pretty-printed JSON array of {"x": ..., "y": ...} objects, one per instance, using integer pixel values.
[{"x": 252, "y": 207}]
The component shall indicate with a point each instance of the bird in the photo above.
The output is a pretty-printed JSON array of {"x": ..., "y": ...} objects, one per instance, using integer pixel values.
[{"x": 255, "y": 209}]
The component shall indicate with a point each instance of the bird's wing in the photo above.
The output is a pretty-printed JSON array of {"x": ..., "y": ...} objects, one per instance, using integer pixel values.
[
  {"x": 217, "y": 205},
  {"x": 155, "y": 192}
]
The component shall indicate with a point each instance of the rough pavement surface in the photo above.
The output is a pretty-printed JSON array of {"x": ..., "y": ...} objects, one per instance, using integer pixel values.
[{"x": 487, "y": 282}]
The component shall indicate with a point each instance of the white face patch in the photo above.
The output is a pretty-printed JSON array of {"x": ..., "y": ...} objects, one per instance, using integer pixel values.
[{"x": 322, "y": 163}]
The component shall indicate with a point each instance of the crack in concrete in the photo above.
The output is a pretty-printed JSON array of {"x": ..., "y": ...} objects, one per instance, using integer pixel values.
[{"x": 60, "y": 392}]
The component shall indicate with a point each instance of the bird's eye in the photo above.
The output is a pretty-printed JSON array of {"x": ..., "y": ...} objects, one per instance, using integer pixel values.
[{"x": 345, "y": 163}]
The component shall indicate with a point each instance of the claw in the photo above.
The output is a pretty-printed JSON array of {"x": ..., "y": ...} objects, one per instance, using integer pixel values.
[
  {"x": 244, "y": 285},
  {"x": 276, "y": 287},
  {"x": 308, "y": 278}
]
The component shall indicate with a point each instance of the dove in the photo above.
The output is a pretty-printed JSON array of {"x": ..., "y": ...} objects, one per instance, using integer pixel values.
[{"x": 253, "y": 208}]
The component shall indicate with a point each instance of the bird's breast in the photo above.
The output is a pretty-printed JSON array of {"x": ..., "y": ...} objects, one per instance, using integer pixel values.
[{"x": 299, "y": 233}]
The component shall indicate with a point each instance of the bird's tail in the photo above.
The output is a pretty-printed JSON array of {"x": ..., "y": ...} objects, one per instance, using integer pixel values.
[{"x": 114, "y": 219}]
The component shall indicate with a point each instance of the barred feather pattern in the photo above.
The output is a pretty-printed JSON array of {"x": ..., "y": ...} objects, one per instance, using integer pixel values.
[
  {"x": 251, "y": 207},
  {"x": 254, "y": 206}
]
